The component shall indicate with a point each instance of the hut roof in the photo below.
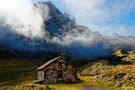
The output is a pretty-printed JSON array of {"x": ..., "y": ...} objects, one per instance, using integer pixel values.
[{"x": 47, "y": 63}]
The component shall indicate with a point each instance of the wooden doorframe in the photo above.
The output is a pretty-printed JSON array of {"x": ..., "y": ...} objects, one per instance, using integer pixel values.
[{"x": 59, "y": 76}]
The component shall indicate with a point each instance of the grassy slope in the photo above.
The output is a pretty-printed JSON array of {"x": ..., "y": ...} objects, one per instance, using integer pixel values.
[
  {"x": 119, "y": 75},
  {"x": 13, "y": 71},
  {"x": 101, "y": 73},
  {"x": 109, "y": 76}
]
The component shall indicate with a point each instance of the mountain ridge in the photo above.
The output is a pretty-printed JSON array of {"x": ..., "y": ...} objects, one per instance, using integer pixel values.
[{"x": 64, "y": 35}]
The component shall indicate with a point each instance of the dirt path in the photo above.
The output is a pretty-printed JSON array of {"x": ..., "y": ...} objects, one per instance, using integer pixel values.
[{"x": 91, "y": 88}]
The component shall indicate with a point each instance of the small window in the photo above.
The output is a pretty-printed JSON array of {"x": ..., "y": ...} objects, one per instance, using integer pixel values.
[{"x": 60, "y": 65}]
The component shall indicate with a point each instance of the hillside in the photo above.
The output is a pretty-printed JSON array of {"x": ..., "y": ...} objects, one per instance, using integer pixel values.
[
  {"x": 116, "y": 72},
  {"x": 19, "y": 74},
  {"x": 15, "y": 70}
]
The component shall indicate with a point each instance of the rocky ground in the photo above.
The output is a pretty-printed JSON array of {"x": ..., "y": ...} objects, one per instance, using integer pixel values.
[{"x": 113, "y": 73}]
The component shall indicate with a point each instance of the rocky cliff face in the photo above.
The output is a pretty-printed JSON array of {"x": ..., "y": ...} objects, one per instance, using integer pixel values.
[{"x": 63, "y": 35}]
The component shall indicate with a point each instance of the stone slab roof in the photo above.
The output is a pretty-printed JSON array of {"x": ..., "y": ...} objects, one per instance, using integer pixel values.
[{"x": 47, "y": 63}]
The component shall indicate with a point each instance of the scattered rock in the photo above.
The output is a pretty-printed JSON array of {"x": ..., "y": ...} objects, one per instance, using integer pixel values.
[
  {"x": 98, "y": 76},
  {"x": 47, "y": 87},
  {"x": 38, "y": 82},
  {"x": 134, "y": 65},
  {"x": 119, "y": 75},
  {"x": 118, "y": 84}
]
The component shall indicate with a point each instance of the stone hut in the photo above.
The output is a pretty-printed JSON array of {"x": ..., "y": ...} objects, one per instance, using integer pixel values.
[{"x": 57, "y": 70}]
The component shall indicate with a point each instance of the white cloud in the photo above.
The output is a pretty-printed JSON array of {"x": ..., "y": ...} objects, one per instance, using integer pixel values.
[
  {"x": 21, "y": 16},
  {"x": 98, "y": 12},
  {"x": 83, "y": 10}
]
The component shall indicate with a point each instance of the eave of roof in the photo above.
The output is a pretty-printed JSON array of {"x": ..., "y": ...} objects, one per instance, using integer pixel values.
[{"x": 47, "y": 63}]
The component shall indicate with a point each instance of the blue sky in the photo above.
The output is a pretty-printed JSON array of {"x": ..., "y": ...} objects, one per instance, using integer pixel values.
[{"x": 106, "y": 16}]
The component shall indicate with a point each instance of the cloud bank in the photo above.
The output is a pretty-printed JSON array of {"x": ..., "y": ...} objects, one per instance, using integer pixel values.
[
  {"x": 43, "y": 30},
  {"x": 102, "y": 15},
  {"x": 21, "y": 17}
]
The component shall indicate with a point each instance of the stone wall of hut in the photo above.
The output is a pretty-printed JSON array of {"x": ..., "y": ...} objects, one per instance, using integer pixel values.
[{"x": 50, "y": 74}]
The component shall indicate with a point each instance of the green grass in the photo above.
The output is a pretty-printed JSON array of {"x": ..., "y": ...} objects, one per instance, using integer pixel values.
[
  {"x": 18, "y": 74},
  {"x": 14, "y": 71},
  {"x": 126, "y": 56},
  {"x": 105, "y": 75},
  {"x": 119, "y": 53}
]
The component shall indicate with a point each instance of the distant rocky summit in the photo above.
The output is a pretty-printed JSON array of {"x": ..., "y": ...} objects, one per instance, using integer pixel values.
[{"x": 63, "y": 35}]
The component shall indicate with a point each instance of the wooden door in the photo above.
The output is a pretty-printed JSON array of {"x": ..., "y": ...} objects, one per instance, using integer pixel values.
[{"x": 60, "y": 76}]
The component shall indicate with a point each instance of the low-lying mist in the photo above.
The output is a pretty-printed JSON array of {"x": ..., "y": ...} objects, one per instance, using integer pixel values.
[
  {"x": 21, "y": 17},
  {"x": 40, "y": 30}
]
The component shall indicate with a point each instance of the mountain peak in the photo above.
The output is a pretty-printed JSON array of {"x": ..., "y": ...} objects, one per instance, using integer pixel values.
[{"x": 55, "y": 19}]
